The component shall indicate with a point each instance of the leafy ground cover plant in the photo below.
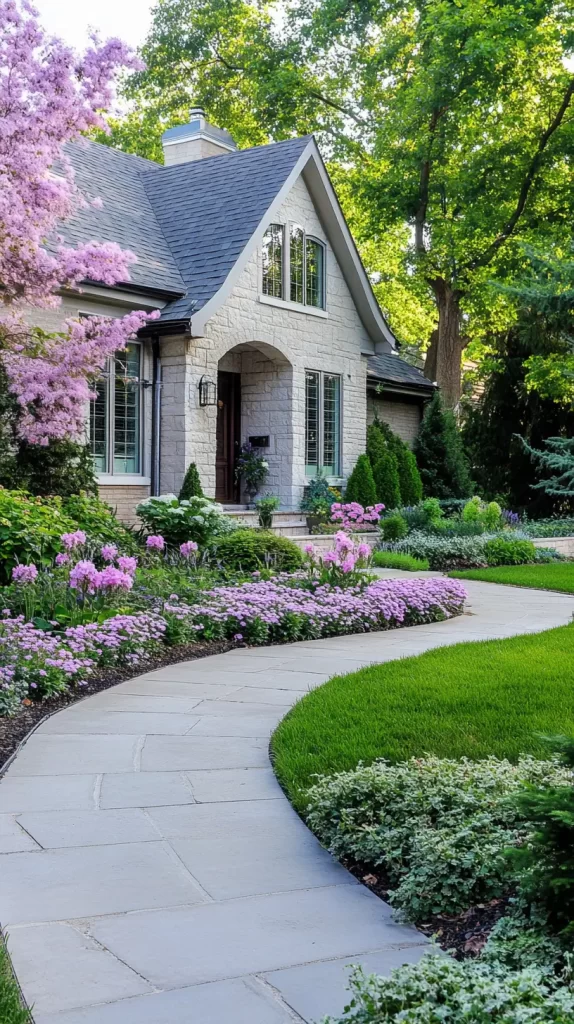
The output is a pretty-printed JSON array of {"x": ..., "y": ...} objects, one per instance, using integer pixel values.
[
  {"x": 562, "y": 527},
  {"x": 439, "y": 829},
  {"x": 553, "y": 576},
  {"x": 197, "y": 519},
  {"x": 391, "y": 560},
  {"x": 442, "y": 552},
  {"x": 99, "y": 521},
  {"x": 439, "y": 990}
]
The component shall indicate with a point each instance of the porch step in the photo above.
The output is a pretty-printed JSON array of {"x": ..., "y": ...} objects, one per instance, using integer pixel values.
[{"x": 325, "y": 541}]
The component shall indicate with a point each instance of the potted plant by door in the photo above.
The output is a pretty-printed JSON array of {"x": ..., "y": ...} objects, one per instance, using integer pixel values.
[
  {"x": 316, "y": 502},
  {"x": 252, "y": 470},
  {"x": 266, "y": 506}
]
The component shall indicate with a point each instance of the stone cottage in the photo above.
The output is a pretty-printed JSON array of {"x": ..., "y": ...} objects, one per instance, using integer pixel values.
[{"x": 269, "y": 330}]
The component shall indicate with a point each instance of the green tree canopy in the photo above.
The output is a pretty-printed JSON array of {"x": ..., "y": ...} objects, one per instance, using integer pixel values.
[{"x": 451, "y": 125}]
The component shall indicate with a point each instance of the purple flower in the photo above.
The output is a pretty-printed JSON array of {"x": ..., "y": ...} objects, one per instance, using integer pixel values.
[
  {"x": 238, "y": 636},
  {"x": 309, "y": 549},
  {"x": 24, "y": 573},
  {"x": 111, "y": 578},
  {"x": 188, "y": 548},
  {"x": 62, "y": 559},
  {"x": 109, "y": 552},
  {"x": 128, "y": 564},
  {"x": 155, "y": 543},
  {"x": 84, "y": 576},
  {"x": 73, "y": 540}
]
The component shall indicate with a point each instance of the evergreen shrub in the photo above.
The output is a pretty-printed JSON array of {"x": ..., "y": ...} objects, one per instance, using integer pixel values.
[
  {"x": 191, "y": 486},
  {"x": 439, "y": 454},
  {"x": 386, "y": 477},
  {"x": 361, "y": 485},
  {"x": 248, "y": 551}
]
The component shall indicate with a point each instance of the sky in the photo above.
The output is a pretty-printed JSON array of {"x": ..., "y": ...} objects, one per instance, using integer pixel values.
[{"x": 72, "y": 20}]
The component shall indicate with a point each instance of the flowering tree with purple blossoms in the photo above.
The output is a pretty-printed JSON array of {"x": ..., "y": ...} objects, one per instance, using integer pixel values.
[{"x": 49, "y": 96}]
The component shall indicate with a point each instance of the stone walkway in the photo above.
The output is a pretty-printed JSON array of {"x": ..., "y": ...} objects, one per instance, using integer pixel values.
[{"x": 152, "y": 870}]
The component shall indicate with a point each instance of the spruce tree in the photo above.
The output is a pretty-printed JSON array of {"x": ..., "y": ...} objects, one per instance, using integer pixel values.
[
  {"x": 361, "y": 485},
  {"x": 440, "y": 456},
  {"x": 387, "y": 481},
  {"x": 191, "y": 486},
  {"x": 557, "y": 459}
]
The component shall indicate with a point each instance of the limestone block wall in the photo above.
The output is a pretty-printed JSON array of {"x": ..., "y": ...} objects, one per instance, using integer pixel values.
[
  {"x": 403, "y": 416},
  {"x": 564, "y": 545},
  {"x": 277, "y": 343},
  {"x": 124, "y": 499}
]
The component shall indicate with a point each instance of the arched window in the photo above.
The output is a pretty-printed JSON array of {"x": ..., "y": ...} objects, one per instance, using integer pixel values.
[{"x": 293, "y": 271}]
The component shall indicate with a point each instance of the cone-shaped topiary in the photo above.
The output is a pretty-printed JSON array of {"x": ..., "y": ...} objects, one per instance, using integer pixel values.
[
  {"x": 191, "y": 486},
  {"x": 387, "y": 481},
  {"x": 361, "y": 485},
  {"x": 410, "y": 482},
  {"x": 440, "y": 456},
  {"x": 377, "y": 444}
]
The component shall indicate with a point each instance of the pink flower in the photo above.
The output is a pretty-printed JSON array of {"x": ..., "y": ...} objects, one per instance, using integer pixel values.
[
  {"x": 111, "y": 578},
  {"x": 109, "y": 552},
  {"x": 188, "y": 548},
  {"x": 84, "y": 576},
  {"x": 309, "y": 549},
  {"x": 155, "y": 543},
  {"x": 363, "y": 550},
  {"x": 73, "y": 540},
  {"x": 62, "y": 559},
  {"x": 24, "y": 573},
  {"x": 128, "y": 564}
]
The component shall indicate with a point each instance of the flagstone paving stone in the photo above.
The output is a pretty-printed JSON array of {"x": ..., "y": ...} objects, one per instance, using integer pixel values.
[{"x": 153, "y": 872}]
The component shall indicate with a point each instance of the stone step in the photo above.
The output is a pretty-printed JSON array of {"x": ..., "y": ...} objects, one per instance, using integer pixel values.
[{"x": 326, "y": 541}]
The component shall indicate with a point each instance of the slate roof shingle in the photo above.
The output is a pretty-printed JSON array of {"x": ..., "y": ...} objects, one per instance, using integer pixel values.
[
  {"x": 187, "y": 223},
  {"x": 396, "y": 371}
]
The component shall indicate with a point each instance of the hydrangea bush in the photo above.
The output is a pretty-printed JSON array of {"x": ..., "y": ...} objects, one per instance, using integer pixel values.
[{"x": 197, "y": 519}]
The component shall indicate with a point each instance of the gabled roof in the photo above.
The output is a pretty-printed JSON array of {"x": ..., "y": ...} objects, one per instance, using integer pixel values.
[
  {"x": 209, "y": 209},
  {"x": 389, "y": 369},
  {"x": 126, "y": 216},
  {"x": 194, "y": 226}
]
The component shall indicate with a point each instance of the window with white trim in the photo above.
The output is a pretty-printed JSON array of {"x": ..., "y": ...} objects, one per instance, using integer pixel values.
[
  {"x": 273, "y": 261},
  {"x": 115, "y": 415},
  {"x": 322, "y": 423},
  {"x": 295, "y": 271}
]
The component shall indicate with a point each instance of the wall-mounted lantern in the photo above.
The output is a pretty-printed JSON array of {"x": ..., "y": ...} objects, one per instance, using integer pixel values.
[{"x": 207, "y": 391}]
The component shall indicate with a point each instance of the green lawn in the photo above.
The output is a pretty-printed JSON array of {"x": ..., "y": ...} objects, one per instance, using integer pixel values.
[
  {"x": 473, "y": 699},
  {"x": 551, "y": 576},
  {"x": 11, "y": 1009}
]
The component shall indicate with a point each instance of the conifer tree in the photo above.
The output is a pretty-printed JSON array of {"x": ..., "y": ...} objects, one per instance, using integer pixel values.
[
  {"x": 387, "y": 481},
  {"x": 410, "y": 481},
  {"x": 440, "y": 456},
  {"x": 377, "y": 442},
  {"x": 557, "y": 459},
  {"x": 191, "y": 486},
  {"x": 361, "y": 485}
]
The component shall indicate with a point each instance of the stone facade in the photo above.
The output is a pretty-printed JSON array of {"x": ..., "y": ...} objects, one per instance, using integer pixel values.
[
  {"x": 271, "y": 344},
  {"x": 402, "y": 414}
]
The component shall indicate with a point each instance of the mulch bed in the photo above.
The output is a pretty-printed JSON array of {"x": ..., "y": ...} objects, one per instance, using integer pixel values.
[
  {"x": 464, "y": 934},
  {"x": 14, "y": 730}
]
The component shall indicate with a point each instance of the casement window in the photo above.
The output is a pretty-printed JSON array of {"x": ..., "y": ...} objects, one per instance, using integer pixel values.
[
  {"x": 273, "y": 261},
  {"x": 322, "y": 423},
  {"x": 295, "y": 272},
  {"x": 115, "y": 415}
]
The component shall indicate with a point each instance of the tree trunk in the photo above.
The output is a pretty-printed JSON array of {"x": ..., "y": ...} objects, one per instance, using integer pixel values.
[
  {"x": 430, "y": 357},
  {"x": 447, "y": 344}
]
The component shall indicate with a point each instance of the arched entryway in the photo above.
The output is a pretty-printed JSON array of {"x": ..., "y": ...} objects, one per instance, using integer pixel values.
[{"x": 254, "y": 403}]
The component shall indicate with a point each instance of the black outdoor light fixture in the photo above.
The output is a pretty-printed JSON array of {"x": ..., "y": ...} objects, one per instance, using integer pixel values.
[{"x": 207, "y": 391}]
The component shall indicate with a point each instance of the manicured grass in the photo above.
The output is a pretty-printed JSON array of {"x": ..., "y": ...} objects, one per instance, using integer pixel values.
[
  {"x": 11, "y": 1009},
  {"x": 550, "y": 576},
  {"x": 396, "y": 560},
  {"x": 475, "y": 699}
]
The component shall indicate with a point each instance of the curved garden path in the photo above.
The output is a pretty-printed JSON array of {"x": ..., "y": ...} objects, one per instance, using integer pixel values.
[{"x": 153, "y": 872}]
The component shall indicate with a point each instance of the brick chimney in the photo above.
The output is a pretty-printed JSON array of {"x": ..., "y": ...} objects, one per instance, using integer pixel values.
[{"x": 195, "y": 141}]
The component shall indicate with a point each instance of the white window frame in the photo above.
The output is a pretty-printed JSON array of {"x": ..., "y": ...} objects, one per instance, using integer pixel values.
[
  {"x": 321, "y": 424},
  {"x": 286, "y": 302},
  {"x": 110, "y": 475}
]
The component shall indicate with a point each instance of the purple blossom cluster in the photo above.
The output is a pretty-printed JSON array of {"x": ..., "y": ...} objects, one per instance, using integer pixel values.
[
  {"x": 343, "y": 565},
  {"x": 352, "y": 515},
  {"x": 271, "y": 610},
  {"x": 49, "y": 662}
]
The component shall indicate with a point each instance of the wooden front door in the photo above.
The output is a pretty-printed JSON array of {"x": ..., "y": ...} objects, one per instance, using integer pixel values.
[{"x": 228, "y": 430}]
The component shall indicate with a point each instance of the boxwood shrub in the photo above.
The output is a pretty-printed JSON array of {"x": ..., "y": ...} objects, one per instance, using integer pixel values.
[{"x": 247, "y": 550}]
